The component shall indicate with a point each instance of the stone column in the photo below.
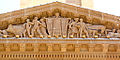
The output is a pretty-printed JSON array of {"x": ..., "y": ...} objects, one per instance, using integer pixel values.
[
  {"x": 77, "y": 48},
  {"x": 49, "y": 47},
  {"x": 22, "y": 47},
  {"x": 63, "y": 47}
]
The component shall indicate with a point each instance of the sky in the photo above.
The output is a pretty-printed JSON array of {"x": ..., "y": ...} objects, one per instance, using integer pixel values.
[{"x": 106, "y": 6}]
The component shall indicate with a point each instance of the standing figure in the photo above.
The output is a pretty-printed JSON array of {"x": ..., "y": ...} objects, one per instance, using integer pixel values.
[
  {"x": 49, "y": 23},
  {"x": 57, "y": 25},
  {"x": 27, "y": 27},
  {"x": 73, "y": 28},
  {"x": 54, "y": 25},
  {"x": 43, "y": 27},
  {"x": 35, "y": 26},
  {"x": 83, "y": 28},
  {"x": 64, "y": 25}
]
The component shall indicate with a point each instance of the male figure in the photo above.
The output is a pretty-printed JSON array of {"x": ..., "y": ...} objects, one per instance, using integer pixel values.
[
  {"x": 57, "y": 25},
  {"x": 64, "y": 25},
  {"x": 27, "y": 27},
  {"x": 54, "y": 25},
  {"x": 49, "y": 23},
  {"x": 43, "y": 27},
  {"x": 35, "y": 26},
  {"x": 74, "y": 28},
  {"x": 83, "y": 28}
]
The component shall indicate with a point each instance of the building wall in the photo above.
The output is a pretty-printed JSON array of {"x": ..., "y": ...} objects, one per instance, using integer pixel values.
[
  {"x": 30, "y": 3},
  {"x": 88, "y": 3},
  {"x": 77, "y": 2}
]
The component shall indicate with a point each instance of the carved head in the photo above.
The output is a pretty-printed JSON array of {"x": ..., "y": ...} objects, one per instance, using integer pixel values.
[
  {"x": 28, "y": 20},
  {"x": 57, "y": 14},
  {"x": 42, "y": 20},
  {"x": 36, "y": 18},
  {"x": 76, "y": 19},
  {"x": 10, "y": 28},
  {"x": 81, "y": 20}
]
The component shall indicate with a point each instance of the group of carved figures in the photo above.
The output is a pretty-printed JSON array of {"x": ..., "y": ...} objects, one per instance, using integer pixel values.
[{"x": 58, "y": 26}]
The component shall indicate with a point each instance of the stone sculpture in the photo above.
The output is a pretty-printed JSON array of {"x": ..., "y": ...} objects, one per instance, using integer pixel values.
[
  {"x": 83, "y": 28},
  {"x": 28, "y": 26},
  {"x": 58, "y": 26},
  {"x": 43, "y": 27},
  {"x": 73, "y": 28},
  {"x": 16, "y": 29},
  {"x": 64, "y": 26},
  {"x": 35, "y": 27},
  {"x": 49, "y": 23}
]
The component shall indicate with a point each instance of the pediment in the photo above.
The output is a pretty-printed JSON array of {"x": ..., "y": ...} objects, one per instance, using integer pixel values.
[{"x": 66, "y": 10}]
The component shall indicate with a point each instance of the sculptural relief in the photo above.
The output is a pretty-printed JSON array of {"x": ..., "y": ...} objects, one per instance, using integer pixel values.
[
  {"x": 35, "y": 27},
  {"x": 28, "y": 26},
  {"x": 73, "y": 28},
  {"x": 43, "y": 27},
  {"x": 16, "y": 29},
  {"x": 83, "y": 28},
  {"x": 58, "y": 26},
  {"x": 64, "y": 26},
  {"x": 49, "y": 23}
]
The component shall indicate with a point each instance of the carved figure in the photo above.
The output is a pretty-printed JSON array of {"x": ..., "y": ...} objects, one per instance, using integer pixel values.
[
  {"x": 64, "y": 26},
  {"x": 16, "y": 29},
  {"x": 43, "y": 27},
  {"x": 3, "y": 32},
  {"x": 73, "y": 28},
  {"x": 57, "y": 25},
  {"x": 83, "y": 28},
  {"x": 36, "y": 24},
  {"x": 54, "y": 25},
  {"x": 49, "y": 23},
  {"x": 97, "y": 27},
  {"x": 27, "y": 27}
]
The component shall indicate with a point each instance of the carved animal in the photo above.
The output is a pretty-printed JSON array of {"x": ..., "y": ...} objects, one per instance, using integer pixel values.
[
  {"x": 97, "y": 27},
  {"x": 16, "y": 29}
]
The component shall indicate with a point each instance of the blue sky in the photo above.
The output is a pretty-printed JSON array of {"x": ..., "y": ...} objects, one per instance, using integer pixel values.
[{"x": 107, "y": 6}]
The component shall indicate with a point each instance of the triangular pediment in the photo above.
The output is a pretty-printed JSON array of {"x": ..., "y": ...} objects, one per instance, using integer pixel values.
[{"x": 65, "y": 10}]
